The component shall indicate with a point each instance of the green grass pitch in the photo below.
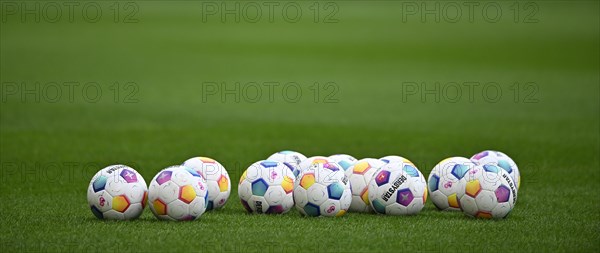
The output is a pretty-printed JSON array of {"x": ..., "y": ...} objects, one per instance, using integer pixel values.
[{"x": 535, "y": 79}]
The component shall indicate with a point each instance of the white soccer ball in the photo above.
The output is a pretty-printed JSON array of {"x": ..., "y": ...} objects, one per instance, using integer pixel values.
[
  {"x": 323, "y": 190},
  {"x": 360, "y": 174},
  {"x": 502, "y": 160},
  {"x": 397, "y": 189},
  {"x": 178, "y": 193},
  {"x": 490, "y": 192},
  {"x": 445, "y": 184},
  {"x": 117, "y": 192},
  {"x": 346, "y": 161},
  {"x": 217, "y": 180},
  {"x": 267, "y": 187},
  {"x": 290, "y": 158}
]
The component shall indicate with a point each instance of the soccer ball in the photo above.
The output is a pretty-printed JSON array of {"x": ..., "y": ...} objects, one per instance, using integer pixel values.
[
  {"x": 178, "y": 193},
  {"x": 291, "y": 159},
  {"x": 266, "y": 187},
  {"x": 360, "y": 174},
  {"x": 217, "y": 180},
  {"x": 117, "y": 192},
  {"x": 343, "y": 160},
  {"x": 398, "y": 189},
  {"x": 313, "y": 160},
  {"x": 322, "y": 190},
  {"x": 445, "y": 184},
  {"x": 489, "y": 192},
  {"x": 500, "y": 159}
]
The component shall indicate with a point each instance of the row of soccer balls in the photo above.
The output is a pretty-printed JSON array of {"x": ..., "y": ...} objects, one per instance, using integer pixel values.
[
  {"x": 180, "y": 192},
  {"x": 484, "y": 186},
  {"x": 318, "y": 186}
]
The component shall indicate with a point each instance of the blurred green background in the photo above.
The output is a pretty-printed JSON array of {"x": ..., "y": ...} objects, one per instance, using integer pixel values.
[{"x": 154, "y": 83}]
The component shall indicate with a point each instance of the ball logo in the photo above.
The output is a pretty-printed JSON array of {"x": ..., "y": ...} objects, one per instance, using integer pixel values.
[
  {"x": 473, "y": 171},
  {"x": 273, "y": 175},
  {"x": 102, "y": 201},
  {"x": 404, "y": 196},
  {"x": 345, "y": 180},
  {"x": 201, "y": 186},
  {"x": 113, "y": 169},
  {"x": 448, "y": 184},
  {"x": 395, "y": 185},
  {"x": 381, "y": 176},
  {"x": 297, "y": 159},
  {"x": 331, "y": 209},
  {"x": 164, "y": 177},
  {"x": 221, "y": 201},
  {"x": 258, "y": 205},
  {"x": 129, "y": 176}
]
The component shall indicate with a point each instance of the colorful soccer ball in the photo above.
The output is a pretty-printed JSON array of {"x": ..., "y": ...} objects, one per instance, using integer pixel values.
[
  {"x": 502, "y": 160},
  {"x": 397, "y": 189},
  {"x": 117, "y": 192},
  {"x": 360, "y": 174},
  {"x": 323, "y": 190},
  {"x": 343, "y": 160},
  {"x": 489, "y": 192},
  {"x": 217, "y": 180},
  {"x": 291, "y": 158},
  {"x": 267, "y": 187},
  {"x": 445, "y": 184},
  {"x": 178, "y": 193}
]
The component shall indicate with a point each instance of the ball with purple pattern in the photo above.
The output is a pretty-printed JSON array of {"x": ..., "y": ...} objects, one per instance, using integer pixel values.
[
  {"x": 117, "y": 192},
  {"x": 398, "y": 189}
]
